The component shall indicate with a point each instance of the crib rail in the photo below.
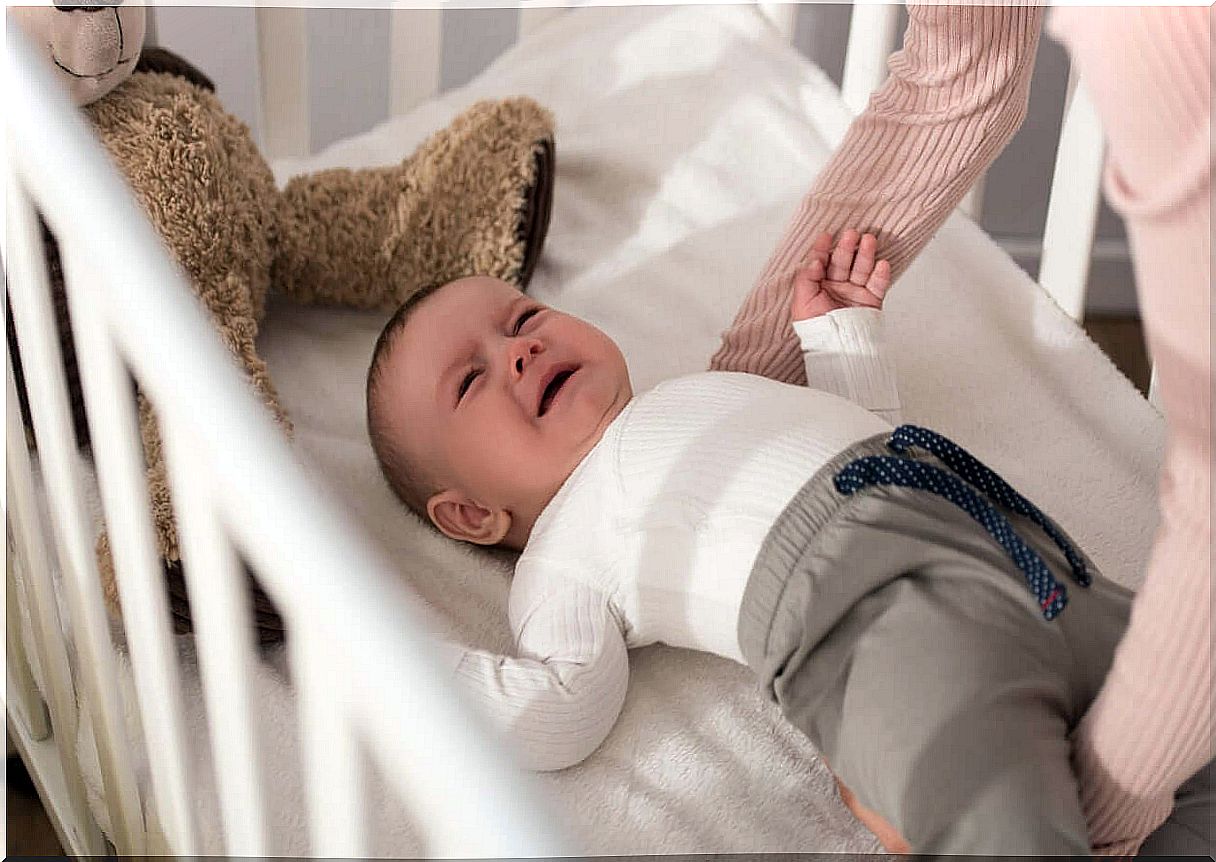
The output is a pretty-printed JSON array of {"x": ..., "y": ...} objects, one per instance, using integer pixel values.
[{"x": 232, "y": 476}]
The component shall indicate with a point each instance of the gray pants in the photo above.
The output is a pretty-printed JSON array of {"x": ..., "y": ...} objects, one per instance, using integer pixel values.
[
  {"x": 893, "y": 630},
  {"x": 1188, "y": 831}
]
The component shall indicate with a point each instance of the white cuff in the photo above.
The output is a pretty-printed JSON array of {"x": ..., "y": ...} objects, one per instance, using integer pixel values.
[
  {"x": 844, "y": 354},
  {"x": 857, "y": 331}
]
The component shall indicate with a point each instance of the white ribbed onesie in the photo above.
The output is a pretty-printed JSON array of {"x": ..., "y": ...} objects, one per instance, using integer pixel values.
[{"x": 653, "y": 536}]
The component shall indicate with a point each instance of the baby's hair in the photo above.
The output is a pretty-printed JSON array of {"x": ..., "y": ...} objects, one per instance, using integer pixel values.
[{"x": 407, "y": 478}]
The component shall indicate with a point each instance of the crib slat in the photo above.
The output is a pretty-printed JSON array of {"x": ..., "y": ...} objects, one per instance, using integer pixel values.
[
  {"x": 22, "y": 688},
  {"x": 1072, "y": 208},
  {"x": 973, "y": 202},
  {"x": 416, "y": 42},
  {"x": 871, "y": 39},
  {"x": 283, "y": 69},
  {"x": 332, "y": 757},
  {"x": 533, "y": 18},
  {"x": 35, "y": 325},
  {"x": 29, "y": 542},
  {"x": 119, "y": 464},
  {"x": 783, "y": 17},
  {"x": 223, "y": 625},
  {"x": 1154, "y": 389}
]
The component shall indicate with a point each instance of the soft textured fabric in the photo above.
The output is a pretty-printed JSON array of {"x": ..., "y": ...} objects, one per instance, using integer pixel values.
[
  {"x": 453, "y": 207},
  {"x": 955, "y": 96},
  {"x": 902, "y": 640},
  {"x": 651, "y": 538}
]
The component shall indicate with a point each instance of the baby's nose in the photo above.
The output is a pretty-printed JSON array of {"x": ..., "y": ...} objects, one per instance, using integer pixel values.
[{"x": 525, "y": 350}]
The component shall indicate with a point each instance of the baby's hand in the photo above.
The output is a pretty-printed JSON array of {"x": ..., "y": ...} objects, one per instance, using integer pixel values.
[{"x": 844, "y": 277}]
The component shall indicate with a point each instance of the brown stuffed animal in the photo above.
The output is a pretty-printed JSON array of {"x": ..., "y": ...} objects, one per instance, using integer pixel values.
[{"x": 473, "y": 199}]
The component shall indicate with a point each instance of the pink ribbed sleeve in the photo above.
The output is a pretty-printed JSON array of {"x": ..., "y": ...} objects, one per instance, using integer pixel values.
[
  {"x": 1149, "y": 73},
  {"x": 956, "y": 94}
]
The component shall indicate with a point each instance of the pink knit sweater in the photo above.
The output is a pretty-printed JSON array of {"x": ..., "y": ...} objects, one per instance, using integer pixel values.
[{"x": 956, "y": 94}]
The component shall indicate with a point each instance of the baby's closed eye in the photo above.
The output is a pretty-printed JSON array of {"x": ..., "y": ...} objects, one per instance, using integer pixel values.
[
  {"x": 525, "y": 317},
  {"x": 466, "y": 382}
]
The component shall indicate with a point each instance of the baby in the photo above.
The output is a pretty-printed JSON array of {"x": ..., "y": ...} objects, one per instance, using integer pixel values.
[{"x": 904, "y": 606}]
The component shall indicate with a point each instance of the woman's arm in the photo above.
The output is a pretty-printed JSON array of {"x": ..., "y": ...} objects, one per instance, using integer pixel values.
[
  {"x": 956, "y": 94},
  {"x": 1148, "y": 70}
]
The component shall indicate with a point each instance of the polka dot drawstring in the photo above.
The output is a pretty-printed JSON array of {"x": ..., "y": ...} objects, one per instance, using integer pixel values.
[
  {"x": 904, "y": 472},
  {"x": 986, "y": 480}
]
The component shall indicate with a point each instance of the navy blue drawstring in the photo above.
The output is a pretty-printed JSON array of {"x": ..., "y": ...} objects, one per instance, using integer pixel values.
[
  {"x": 965, "y": 493},
  {"x": 986, "y": 480}
]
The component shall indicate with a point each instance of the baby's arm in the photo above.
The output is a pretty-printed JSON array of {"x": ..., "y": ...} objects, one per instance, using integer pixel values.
[
  {"x": 557, "y": 700},
  {"x": 836, "y": 309}
]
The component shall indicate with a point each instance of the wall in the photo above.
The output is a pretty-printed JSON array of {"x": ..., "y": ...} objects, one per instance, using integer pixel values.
[{"x": 348, "y": 84}]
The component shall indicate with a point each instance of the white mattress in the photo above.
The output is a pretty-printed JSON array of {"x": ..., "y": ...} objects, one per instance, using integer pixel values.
[{"x": 685, "y": 137}]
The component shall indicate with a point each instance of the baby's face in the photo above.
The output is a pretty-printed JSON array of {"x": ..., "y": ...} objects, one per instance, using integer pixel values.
[{"x": 501, "y": 396}]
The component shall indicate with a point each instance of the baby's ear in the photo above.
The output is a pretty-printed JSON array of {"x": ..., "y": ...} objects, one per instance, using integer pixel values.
[{"x": 465, "y": 520}]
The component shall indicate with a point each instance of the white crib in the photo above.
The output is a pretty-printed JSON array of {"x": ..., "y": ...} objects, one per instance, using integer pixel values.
[{"x": 371, "y": 699}]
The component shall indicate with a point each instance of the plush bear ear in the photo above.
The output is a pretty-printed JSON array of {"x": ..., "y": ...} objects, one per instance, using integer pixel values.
[
  {"x": 538, "y": 206},
  {"x": 165, "y": 61}
]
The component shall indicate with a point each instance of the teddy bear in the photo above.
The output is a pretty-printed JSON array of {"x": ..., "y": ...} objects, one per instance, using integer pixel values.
[{"x": 474, "y": 198}]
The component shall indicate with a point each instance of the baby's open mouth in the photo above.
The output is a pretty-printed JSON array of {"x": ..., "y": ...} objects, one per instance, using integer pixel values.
[{"x": 552, "y": 388}]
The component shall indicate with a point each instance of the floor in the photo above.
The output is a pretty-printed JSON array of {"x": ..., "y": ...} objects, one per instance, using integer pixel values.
[
  {"x": 1123, "y": 340},
  {"x": 30, "y": 833}
]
